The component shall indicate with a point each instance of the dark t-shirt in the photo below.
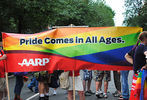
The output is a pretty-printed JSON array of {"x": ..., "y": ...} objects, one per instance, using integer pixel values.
[
  {"x": 131, "y": 52},
  {"x": 139, "y": 58}
]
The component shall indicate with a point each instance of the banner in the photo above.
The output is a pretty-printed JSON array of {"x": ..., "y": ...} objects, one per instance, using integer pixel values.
[{"x": 97, "y": 48}]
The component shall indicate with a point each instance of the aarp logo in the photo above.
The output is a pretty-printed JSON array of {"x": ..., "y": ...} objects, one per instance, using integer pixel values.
[{"x": 34, "y": 62}]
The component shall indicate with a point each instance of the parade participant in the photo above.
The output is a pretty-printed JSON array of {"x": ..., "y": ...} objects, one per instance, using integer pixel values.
[
  {"x": 125, "y": 87},
  {"x": 116, "y": 76},
  {"x": 19, "y": 84},
  {"x": 55, "y": 80},
  {"x": 139, "y": 57},
  {"x": 43, "y": 78},
  {"x": 3, "y": 91},
  {"x": 87, "y": 77},
  {"x": 143, "y": 93},
  {"x": 33, "y": 83},
  {"x": 99, "y": 75},
  {"x": 140, "y": 61},
  {"x": 78, "y": 85}
]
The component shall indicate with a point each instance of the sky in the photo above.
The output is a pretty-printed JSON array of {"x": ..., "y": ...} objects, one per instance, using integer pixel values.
[{"x": 118, "y": 7}]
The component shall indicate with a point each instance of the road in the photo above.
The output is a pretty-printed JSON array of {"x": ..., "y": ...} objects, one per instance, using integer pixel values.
[{"x": 61, "y": 94}]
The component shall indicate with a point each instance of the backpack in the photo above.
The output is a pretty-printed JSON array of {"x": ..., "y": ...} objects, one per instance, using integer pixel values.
[{"x": 64, "y": 80}]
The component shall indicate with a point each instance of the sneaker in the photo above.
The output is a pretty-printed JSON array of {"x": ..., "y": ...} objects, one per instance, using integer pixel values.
[
  {"x": 54, "y": 93},
  {"x": 87, "y": 93},
  {"x": 90, "y": 92},
  {"x": 99, "y": 94},
  {"x": 116, "y": 94},
  {"x": 121, "y": 98},
  {"x": 105, "y": 95}
]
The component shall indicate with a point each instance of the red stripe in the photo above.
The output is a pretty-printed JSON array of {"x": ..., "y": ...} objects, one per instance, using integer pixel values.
[{"x": 56, "y": 62}]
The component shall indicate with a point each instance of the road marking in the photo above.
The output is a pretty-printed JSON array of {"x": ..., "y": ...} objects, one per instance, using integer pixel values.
[{"x": 32, "y": 96}]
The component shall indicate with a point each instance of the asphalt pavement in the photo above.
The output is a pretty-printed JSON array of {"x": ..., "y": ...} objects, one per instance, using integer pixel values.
[{"x": 61, "y": 94}]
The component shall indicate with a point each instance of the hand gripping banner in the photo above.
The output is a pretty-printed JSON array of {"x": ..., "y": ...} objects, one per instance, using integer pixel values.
[{"x": 97, "y": 48}]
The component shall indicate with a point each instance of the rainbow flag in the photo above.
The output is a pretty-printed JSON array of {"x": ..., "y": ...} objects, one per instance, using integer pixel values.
[
  {"x": 133, "y": 92},
  {"x": 143, "y": 94},
  {"x": 97, "y": 48},
  {"x": 138, "y": 87}
]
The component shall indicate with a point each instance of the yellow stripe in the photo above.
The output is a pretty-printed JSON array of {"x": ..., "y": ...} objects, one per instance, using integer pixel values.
[{"x": 106, "y": 32}]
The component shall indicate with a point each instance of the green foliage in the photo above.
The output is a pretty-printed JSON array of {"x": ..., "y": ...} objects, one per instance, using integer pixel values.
[
  {"x": 30, "y": 16},
  {"x": 136, "y": 13},
  {"x": 100, "y": 14}
]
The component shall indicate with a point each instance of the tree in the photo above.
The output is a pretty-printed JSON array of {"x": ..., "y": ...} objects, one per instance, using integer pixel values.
[
  {"x": 30, "y": 16},
  {"x": 78, "y": 12},
  {"x": 135, "y": 14},
  {"x": 100, "y": 15}
]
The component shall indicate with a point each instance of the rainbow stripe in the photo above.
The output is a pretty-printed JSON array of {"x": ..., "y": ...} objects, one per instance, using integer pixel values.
[
  {"x": 143, "y": 94},
  {"x": 96, "y": 52}
]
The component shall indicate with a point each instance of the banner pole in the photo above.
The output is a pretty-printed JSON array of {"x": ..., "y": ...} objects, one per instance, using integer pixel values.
[
  {"x": 7, "y": 85},
  {"x": 74, "y": 93},
  {"x": 73, "y": 77}
]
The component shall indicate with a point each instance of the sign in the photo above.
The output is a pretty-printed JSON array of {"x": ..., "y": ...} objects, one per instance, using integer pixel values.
[{"x": 97, "y": 48}]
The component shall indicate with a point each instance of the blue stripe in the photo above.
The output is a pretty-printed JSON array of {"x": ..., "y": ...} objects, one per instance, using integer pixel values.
[{"x": 111, "y": 57}]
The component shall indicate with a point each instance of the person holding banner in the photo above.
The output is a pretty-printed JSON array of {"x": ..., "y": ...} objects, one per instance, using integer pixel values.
[
  {"x": 43, "y": 78},
  {"x": 78, "y": 85},
  {"x": 3, "y": 90},
  {"x": 87, "y": 76},
  {"x": 33, "y": 83},
  {"x": 116, "y": 76},
  {"x": 125, "y": 88},
  {"x": 99, "y": 76},
  {"x": 140, "y": 64},
  {"x": 137, "y": 58},
  {"x": 143, "y": 93},
  {"x": 19, "y": 84}
]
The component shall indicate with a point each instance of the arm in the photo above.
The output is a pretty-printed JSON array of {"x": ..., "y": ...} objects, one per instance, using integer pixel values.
[
  {"x": 145, "y": 67},
  {"x": 129, "y": 58},
  {"x": 3, "y": 57}
]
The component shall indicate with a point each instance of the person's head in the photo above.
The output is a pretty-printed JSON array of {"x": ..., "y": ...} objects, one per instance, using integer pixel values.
[{"x": 143, "y": 37}]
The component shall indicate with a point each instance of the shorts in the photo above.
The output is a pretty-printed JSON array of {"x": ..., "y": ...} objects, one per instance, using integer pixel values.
[
  {"x": 43, "y": 76},
  {"x": 99, "y": 75},
  {"x": 87, "y": 75},
  {"x": 78, "y": 83},
  {"x": 2, "y": 84}
]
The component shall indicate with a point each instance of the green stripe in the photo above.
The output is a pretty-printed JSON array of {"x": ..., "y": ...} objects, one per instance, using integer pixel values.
[
  {"x": 85, "y": 49},
  {"x": 140, "y": 75}
]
